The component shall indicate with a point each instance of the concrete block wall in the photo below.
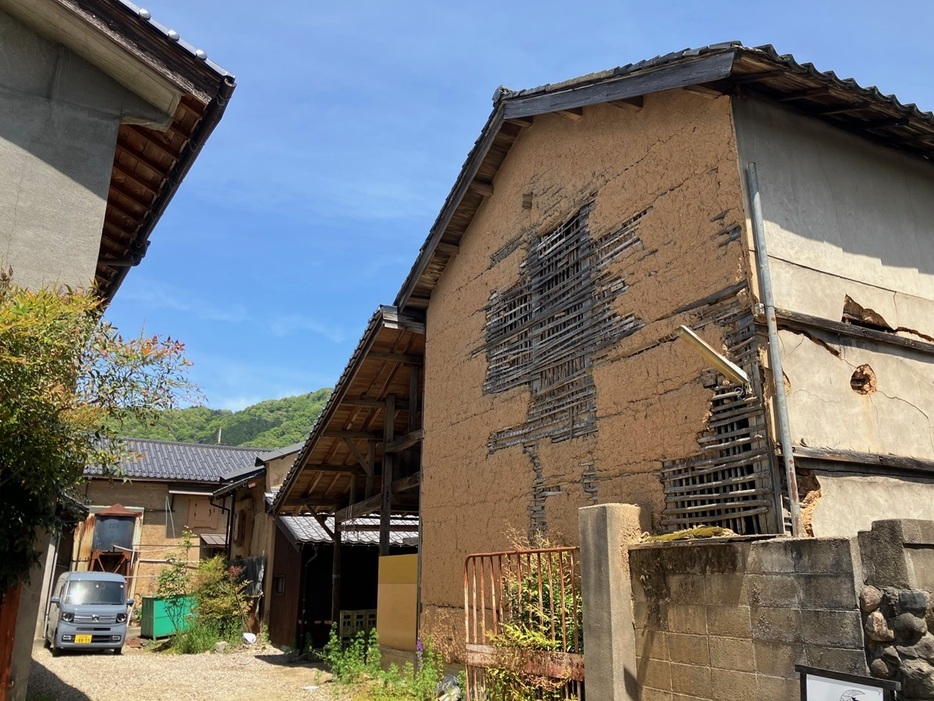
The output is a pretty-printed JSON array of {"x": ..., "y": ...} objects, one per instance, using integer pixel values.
[{"x": 730, "y": 620}]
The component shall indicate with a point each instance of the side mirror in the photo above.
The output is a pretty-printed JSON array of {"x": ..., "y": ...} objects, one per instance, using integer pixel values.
[
  {"x": 55, "y": 600},
  {"x": 130, "y": 602}
]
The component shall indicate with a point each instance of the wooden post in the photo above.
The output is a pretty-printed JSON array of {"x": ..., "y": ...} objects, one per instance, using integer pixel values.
[
  {"x": 371, "y": 461},
  {"x": 336, "y": 577},
  {"x": 9, "y": 608},
  {"x": 385, "y": 512}
]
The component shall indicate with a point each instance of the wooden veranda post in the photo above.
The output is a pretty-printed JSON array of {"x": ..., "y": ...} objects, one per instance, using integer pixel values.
[{"x": 385, "y": 512}]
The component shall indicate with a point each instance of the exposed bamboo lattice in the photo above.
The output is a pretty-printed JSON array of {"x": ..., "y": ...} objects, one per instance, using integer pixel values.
[
  {"x": 730, "y": 482},
  {"x": 546, "y": 330}
]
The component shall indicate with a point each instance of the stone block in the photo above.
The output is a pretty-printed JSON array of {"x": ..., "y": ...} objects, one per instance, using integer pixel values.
[
  {"x": 908, "y": 626},
  {"x": 730, "y": 685},
  {"x": 726, "y": 589},
  {"x": 730, "y": 621},
  {"x": 778, "y": 688},
  {"x": 883, "y": 555},
  {"x": 689, "y": 649},
  {"x": 822, "y": 555},
  {"x": 826, "y": 591},
  {"x": 655, "y": 695},
  {"x": 776, "y": 659},
  {"x": 687, "y": 619},
  {"x": 914, "y": 601},
  {"x": 917, "y": 677},
  {"x": 772, "y": 590},
  {"x": 770, "y": 556},
  {"x": 691, "y": 680},
  {"x": 917, "y": 532},
  {"x": 834, "y": 628},
  {"x": 654, "y": 674},
  {"x": 652, "y": 644},
  {"x": 687, "y": 589},
  {"x": 732, "y": 653},
  {"x": 844, "y": 660},
  {"x": 776, "y": 624}
]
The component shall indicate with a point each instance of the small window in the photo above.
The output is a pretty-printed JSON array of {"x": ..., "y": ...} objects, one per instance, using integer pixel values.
[{"x": 278, "y": 585}]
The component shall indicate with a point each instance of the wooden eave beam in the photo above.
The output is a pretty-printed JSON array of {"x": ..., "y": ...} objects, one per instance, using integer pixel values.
[
  {"x": 841, "y": 109},
  {"x": 404, "y": 442},
  {"x": 484, "y": 189},
  {"x": 806, "y": 94},
  {"x": 371, "y": 403},
  {"x": 136, "y": 178},
  {"x": 403, "y": 358},
  {"x": 336, "y": 433},
  {"x": 575, "y": 114},
  {"x": 631, "y": 103},
  {"x": 521, "y": 122},
  {"x": 756, "y": 77},
  {"x": 346, "y": 469},
  {"x": 703, "y": 69},
  {"x": 361, "y": 508},
  {"x": 450, "y": 249}
]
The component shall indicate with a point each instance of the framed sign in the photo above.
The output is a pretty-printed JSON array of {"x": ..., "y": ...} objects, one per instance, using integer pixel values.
[{"x": 824, "y": 685}]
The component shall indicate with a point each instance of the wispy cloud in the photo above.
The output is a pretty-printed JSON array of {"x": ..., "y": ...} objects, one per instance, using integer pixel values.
[
  {"x": 152, "y": 294},
  {"x": 292, "y": 323}
]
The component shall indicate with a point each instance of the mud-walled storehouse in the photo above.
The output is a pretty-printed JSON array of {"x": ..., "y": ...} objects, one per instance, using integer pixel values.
[{"x": 762, "y": 204}]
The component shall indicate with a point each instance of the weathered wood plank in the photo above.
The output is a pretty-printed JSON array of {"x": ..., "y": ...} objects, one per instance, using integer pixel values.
[
  {"x": 857, "y": 461},
  {"x": 704, "y": 69},
  {"x": 404, "y": 358},
  {"x": 404, "y": 442},
  {"x": 385, "y": 511},
  {"x": 795, "y": 320}
]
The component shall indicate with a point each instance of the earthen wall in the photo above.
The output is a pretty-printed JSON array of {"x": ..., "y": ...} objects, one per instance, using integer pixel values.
[{"x": 663, "y": 181}]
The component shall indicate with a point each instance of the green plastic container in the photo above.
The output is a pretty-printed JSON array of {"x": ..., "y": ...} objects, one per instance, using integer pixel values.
[{"x": 156, "y": 621}]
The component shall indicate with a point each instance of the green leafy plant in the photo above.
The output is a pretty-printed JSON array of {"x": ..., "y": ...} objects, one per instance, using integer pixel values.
[
  {"x": 357, "y": 664},
  {"x": 68, "y": 380},
  {"x": 537, "y": 606},
  {"x": 173, "y": 584}
]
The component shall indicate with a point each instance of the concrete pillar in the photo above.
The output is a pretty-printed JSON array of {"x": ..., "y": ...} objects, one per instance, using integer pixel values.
[{"x": 609, "y": 640}]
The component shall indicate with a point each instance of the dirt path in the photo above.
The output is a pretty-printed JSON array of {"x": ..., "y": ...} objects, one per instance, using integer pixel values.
[{"x": 243, "y": 675}]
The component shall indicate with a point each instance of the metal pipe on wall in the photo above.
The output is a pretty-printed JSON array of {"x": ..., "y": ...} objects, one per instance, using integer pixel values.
[{"x": 775, "y": 356}]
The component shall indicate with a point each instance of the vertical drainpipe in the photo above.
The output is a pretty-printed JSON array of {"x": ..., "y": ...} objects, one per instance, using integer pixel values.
[{"x": 775, "y": 356}]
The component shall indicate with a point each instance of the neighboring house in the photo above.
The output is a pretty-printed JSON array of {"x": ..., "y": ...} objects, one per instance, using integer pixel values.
[
  {"x": 102, "y": 113},
  {"x": 301, "y": 578},
  {"x": 591, "y": 220},
  {"x": 169, "y": 486}
]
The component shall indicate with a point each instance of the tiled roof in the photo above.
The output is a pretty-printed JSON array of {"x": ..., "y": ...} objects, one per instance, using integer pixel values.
[
  {"x": 306, "y": 529},
  {"x": 165, "y": 461},
  {"x": 263, "y": 458}
]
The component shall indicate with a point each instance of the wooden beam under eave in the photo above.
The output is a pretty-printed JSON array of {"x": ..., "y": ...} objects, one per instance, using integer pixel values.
[
  {"x": 449, "y": 249},
  {"x": 404, "y": 358},
  {"x": 631, "y": 103},
  {"x": 482, "y": 188},
  {"x": 407, "y": 483},
  {"x": 335, "y": 433},
  {"x": 385, "y": 510},
  {"x": 703, "y": 90},
  {"x": 521, "y": 122},
  {"x": 575, "y": 114},
  {"x": 372, "y": 403},
  {"x": 404, "y": 442}
]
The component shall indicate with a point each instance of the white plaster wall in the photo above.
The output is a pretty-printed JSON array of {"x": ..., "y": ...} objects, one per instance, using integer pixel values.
[
  {"x": 850, "y": 503},
  {"x": 58, "y": 126},
  {"x": 843, "y": 217}
]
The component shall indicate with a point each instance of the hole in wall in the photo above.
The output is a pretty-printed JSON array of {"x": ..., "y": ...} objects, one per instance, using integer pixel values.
[{"x": 863, "y": 380}]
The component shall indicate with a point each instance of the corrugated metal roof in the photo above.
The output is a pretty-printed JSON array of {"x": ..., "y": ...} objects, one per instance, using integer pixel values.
[
  {"x": 306, "y": 529},
  {"x": 165, "y": 461}
]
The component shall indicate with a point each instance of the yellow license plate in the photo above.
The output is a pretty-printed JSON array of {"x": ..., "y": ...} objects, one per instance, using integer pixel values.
[{"x": 80, "y": 639}]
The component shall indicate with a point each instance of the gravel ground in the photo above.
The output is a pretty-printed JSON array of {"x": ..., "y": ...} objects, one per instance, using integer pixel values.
[{"x": 143, "y": 675}]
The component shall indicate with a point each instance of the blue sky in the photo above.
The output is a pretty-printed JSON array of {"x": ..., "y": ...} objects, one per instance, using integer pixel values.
[{"x": 349, "y": 124}]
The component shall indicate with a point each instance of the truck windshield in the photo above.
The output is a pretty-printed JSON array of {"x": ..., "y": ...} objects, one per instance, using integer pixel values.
[{"x": 84, "y": 591}]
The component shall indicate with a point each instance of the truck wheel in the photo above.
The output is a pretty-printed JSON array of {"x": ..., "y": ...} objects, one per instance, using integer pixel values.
[
  {"x": 118, "y": 650},
  {"x": 56, "y": 651}
]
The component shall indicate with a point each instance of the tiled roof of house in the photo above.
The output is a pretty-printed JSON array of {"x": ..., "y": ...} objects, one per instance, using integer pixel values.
[
  {"x": 165, "y": 461},
  {"x": 306, "y": 529}
]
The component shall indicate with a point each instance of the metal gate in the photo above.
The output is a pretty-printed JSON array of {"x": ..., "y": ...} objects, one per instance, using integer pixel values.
[{"x": 524, "y": 625}]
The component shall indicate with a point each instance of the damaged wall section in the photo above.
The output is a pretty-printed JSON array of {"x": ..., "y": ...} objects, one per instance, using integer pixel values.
[
  {"x": 601, "y": 237},
  {"x": 850, "y": 233}
]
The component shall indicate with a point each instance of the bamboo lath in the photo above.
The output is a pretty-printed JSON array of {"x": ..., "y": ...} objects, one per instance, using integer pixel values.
[{"x": 547, "y": 330}]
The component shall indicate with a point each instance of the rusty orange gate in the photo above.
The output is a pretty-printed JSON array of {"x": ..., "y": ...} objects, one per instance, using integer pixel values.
[{"x": 523, "y": 615}]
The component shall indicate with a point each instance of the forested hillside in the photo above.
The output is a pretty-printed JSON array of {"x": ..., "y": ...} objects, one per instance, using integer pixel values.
[{"x": 274, "y": 423}]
